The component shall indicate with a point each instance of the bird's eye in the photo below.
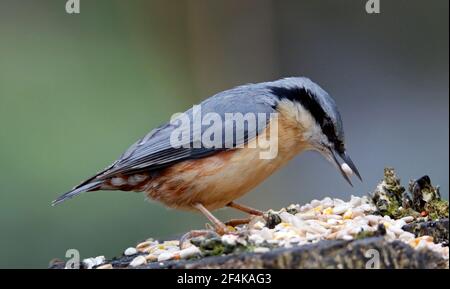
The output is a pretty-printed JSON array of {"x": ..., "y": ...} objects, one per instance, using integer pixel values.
[{"x": 340, "y": 147}]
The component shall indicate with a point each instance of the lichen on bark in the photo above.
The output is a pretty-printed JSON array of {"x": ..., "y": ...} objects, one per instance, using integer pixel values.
[{"x": 422, "y": 199}]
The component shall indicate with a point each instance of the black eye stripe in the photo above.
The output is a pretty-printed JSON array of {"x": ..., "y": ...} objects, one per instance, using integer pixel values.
[{"x": 309, "y": 102}]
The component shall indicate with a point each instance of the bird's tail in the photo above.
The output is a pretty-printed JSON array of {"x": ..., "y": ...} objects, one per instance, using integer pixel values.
[{"x": 85, "y": 187}]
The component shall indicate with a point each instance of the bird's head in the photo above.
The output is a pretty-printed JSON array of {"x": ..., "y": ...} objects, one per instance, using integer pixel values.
[{"x": 316, "y": 113}]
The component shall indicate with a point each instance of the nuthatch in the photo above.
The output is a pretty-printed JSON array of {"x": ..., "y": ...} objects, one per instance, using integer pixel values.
[{"x": 208, "y": 178}]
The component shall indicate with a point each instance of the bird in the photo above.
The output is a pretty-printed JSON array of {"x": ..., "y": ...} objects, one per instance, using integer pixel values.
[{"x": 197, "y": 177}]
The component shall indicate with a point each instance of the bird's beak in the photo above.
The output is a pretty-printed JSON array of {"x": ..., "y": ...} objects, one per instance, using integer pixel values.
[{"x": 347, "y": 160}]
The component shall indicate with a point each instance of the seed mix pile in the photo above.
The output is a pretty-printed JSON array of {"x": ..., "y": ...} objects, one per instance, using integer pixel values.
[{"x": 326, "y": 219}]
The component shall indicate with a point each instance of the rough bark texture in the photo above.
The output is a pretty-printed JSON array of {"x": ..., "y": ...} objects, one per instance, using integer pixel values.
[
  {"x": 367, "y": 251},
  {"x": 437, "y": 229},
  {"x": 334, "y": 254},
  {"x": 325, "y": 254}
]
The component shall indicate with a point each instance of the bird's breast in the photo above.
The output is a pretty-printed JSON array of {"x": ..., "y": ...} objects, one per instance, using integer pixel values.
[{"x": 216, "y": 180}]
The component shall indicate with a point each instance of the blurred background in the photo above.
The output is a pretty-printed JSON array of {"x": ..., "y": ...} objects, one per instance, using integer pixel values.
[{"x": 77, "y": 90}]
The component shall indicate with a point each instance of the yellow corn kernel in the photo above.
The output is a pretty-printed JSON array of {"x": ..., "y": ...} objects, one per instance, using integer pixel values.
[
  {"x": 328, "y": 211},
  {"x": 348, "y": 215},
  {"x": 285, "y": 225},
  {"x": 318, "y": 209},
  {"x": 414, "y": 243},
  {"x": 231, "y": 228}
]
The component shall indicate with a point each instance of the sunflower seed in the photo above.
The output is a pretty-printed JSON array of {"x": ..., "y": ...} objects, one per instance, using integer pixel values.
[
  {"x": 138, "y": 261},
  {"x": 130, "y": 251}
]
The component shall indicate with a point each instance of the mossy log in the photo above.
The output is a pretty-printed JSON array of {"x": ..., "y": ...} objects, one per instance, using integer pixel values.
[
  {"x": 336, "y": 254},
  {"x": 369, "y": 250},
  {"x": 325, "y": 254},
  {"x": 436, "y": 229}
]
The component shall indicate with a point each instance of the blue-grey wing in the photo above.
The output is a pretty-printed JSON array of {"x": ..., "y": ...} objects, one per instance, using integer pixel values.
[{"x": 156, "y": 149}]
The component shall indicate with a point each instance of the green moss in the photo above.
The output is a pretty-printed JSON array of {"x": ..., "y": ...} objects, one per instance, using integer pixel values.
[
  {"x": 364, "y": 234},
  {"x": 392, "y": 184},
  {"x": 427, "y": 198},
  {"x": 209, "y": 246},
  {"x": 391, "y": 208},
  {"x": 396, "y": 211},
  {"x": 381, "y": 231},
  {"x": 437, "y": 209},
  {"x": 388, "y": 195},
  {"x": 213, "y": 246}
]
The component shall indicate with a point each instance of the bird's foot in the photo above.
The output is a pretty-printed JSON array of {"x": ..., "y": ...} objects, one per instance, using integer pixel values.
[
  {"x": 186, "y": 238},
  {"x": 244, "y": 221},
  {"x": 210, "y": 232},
  {"x": 237, "y": 222},
  {"x": 245, "y": 209}
]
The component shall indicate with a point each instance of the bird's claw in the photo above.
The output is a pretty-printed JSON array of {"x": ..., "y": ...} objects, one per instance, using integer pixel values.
[
  {"x": 186, "y": 238},
  {"x": 237, "y": 222},
  {"x": 209, "y": 232}
]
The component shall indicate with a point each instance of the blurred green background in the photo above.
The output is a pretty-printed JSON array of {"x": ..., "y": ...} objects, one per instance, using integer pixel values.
[{"x": 77, "y": 90}]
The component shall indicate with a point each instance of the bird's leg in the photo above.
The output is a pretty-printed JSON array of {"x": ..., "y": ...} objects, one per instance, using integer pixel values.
[
  {"x": 219, "y": 227},
  {"x": 245, "y": 209},
  {"x": 184, "y": 240},
  {"x": 237, "y": 222}
]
